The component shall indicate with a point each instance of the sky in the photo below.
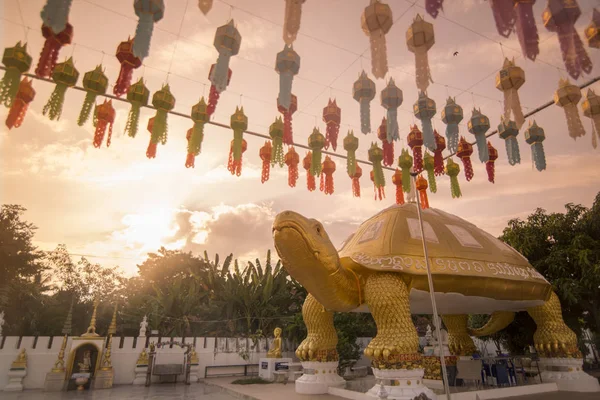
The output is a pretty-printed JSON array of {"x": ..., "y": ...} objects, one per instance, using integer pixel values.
[{"x": 115, "y": 205}]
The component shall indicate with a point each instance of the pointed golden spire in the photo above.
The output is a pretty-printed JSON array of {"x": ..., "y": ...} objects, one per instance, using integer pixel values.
[
  {"x": 112, "y": 329},
  {"x": 91, "y": 330}
]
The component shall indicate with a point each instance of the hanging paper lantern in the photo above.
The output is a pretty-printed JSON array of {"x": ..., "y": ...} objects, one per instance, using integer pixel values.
[
  {"x": 379, "y": 191},
  {"x": 415, "y": 141},
  {"x": 265, "y": 155},
  {"x": 489, "y": 165},
  {"x": 239, "y": 123},
  {"x": 129, "y": 62},
  {"x": 478, "y": 125},
  {"x": 138, "y": 95},
  {"x": 560, "y": 17},
  {"x": 205, "y": 6},
  {"x": 397, "y": 181},
  {"x": 376, "y": 23},
  {"x": 287, "y": 65},
  {"x": 276, "y": 133},
  {"x": 452, "y": 170},
  {"x": 452, "y": 114},
  {"x": 292, "y": 159},
  {"x": 465, "y": 149},
  {"x": 428, "y": 164},
  {"x": 424, "y": 110},
  {"x": 316, "y": 142},
  {"x": 24, "y": 96},
  {"x": 504, "y": 16},
  {"x": 214, "y": 94},
  {"x": 591, "y": 109},
  {"x": 376, "y": 156},
  {"x": 419, "y": 39},
  {"x": 388, "y": 147},
  {"x": 363, "y": 91},
  {"x": 104, "y": 118},
  {"x": 526, "y": 28},
  {"x": 351, "y": 145},
  {"x": 405, "y": 162},
  {"x": 592, "y": 32},
  {"x": 148, "y": 12},
  {"x": 433, "y": 7},
  {"x": 534, "y": 135},
  {"x": 54, "y": 41},
  {"x": 332, "y": 116},
  {"x": 94, "y": 83},
  {"x": 438, "y": 158},
  {"x": 310, "y": 178},
  {"x": 64, "y": 75},
  {"x": 17, "y": 62},
  {"x": 509, "y": 80},
  {"x": 508, "y": 131},
  {"x": 291, "y": 22},
  {"x": 391, "y": 99},
  {"x": 195, "y": 135},
  {"x": 356, "y": 181},
  {"x": 235, "y": 167},
  {"x": 287, "y": 119},
  {"x": 567, "y": 96},
  {"x": 421, "y": 184},
  {"x": 328, "y": 169},
  {"x": 164, "y": 102},
  {"x": 227, "y": 42}
]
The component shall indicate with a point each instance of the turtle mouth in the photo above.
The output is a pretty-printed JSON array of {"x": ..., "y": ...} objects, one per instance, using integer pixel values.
[{"x": 294, "y": 235}]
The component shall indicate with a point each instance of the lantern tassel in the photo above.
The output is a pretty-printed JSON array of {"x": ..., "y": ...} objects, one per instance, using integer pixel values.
[
  {"x": 513, "y": 103},
  {"x": 292, "y": 175},
  {"x": 332, "y": 132},
  {"x": 512, "y": 150},
  {"x": 574, "y": 124},
  {"x": 452, "y": 137},
  {"x": 195, "y": 137},
  {"x": 16, "y": 114},
  {"x": 455, "y": 187},
  {"x": 151, "y": 150},
  {"x": 489, "y": 166},
  {"x": 423, "y": 74},
  {"x": 143, "y": 35},
  {"x": 315, "y": 165},
  {"x": 379, "y": 62},
  {"x": 219, "y": 76},
  {"x": 433, "y": 7},
  {"x": 539, "y": 158},
  {"x": 418, "y": 159},
  {"x": 482, "y": 148},
  {"x": 265, "y": 155},
  {"x": 133, "y": 119},
  {"x": 287, "y": 128},
  {"x": 595, "y": 130},
  {"x": 48, "y": 57},
  {"x": 526, "y": 28},
  {"x": 124, "y": 79},
  {"x": 406, "y": 180},
  {"x": 468, "y": 168},
  {"x": 392, "y": 125},
  {"x": 365, "y": 115},
  {"x": 326, "y": 185},
  {"x": 355, "y": 187},
  {"x": 431, "y": 180},
  {"x": 101, "y": 126},
  {"x": 424, "y": 200},
  {"x": 9, "y": 86},
  {"x": 388, "y": 153},
  {"x": 278, "y": 156},
  {"x": 504, "y": 16},
  {"x": 213, "y": 99},
  {"x": 399, "y": 195},
  {"x": 428, "y": 136},
  {"x": 237, "y": 144},
  {"x": 438, "y": 163},
  {"x": 55, "y": 104},
  {"x": 86, "y": 109},
  {"x": 285, "y": 88},
  {"x": 574, "y": 55},
  {"x": 351, "y": 163}
]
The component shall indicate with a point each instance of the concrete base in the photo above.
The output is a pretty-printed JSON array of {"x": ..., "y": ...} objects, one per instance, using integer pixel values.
[
  {"x": 568, "y": 375},
  {"x": 55, "y": 382},
  {"x": 15, "y": 380},
  {"x": 435, "y": 351},
  {"x": 194, "y": 373},
  {"x": 267, "y": 366},
  {"x": 400, "y": 384},
  {"x": 318, "y": 377},
  {"x": 104, "y": 379},
  {"x": 433, "y": 384},
  {"x": 140, "y": 375}
]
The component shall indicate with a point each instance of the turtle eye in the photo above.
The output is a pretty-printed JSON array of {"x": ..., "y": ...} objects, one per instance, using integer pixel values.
[{"x": 318, "y": 228}]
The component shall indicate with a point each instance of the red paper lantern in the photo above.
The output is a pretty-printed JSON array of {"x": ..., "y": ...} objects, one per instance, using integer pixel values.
[
  {"x": 292, "y": 159},
  {"x": 388, "y": 147},
  {"x": 397, "y": 181},
  {"x": 103, "y": 118},
  {"x": 438, "y": 158},
  {"x": 489, "y": 165},
  {"x": 129, "y": 62},
  {"x": 415, "y": 142},
  {"x": 327, "y": 171},
  {"x": 52, "y": 46},
  {"x": 465, "y": 149},
  {"x": 332, "y": 116},
  {"x": 288, "y": 137},
  {"x": 356, "y": 181},
  {"x": 310, "y": 178},
  {"x": 265, "y": 156},
  {"x": 24, "y": 96},
  {"x": 422, "y": 188}
]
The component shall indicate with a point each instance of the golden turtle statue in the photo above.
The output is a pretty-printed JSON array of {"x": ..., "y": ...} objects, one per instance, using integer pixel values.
[{"x": 381, "y": 269}]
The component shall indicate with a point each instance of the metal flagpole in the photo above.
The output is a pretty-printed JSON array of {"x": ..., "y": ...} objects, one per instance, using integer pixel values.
[{"x": 436, "y": 319}]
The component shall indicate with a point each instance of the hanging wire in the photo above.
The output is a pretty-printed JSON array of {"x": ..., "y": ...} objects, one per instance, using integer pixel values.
[{"x": 25, "y": 28}]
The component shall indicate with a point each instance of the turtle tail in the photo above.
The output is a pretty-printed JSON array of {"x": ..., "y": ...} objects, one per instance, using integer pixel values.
[{"x": 498, "y": 321}]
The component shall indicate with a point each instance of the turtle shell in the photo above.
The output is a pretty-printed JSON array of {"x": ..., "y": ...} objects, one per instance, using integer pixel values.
[{"x": 463, "y": 258}]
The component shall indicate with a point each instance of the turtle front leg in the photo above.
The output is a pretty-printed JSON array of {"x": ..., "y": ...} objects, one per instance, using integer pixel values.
[
  {"x": 459, "y": 341},
  {"x": 396, "y": 342},
  {"x": 321, "y": 339},
  {"x": 553, "y": 338}
]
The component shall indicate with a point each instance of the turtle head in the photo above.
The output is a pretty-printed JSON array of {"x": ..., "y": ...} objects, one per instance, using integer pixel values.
[{"x": 303, "y": 246}]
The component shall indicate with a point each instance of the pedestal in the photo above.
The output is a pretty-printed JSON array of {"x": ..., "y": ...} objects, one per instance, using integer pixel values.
[
  {"x": 15, "y": 380},
  {"x": 140, "y": 375},
  {"x": 404, "y": 384},
  {"x": 55, "y": 382},
  {"x": 194, "y": 373},
  {"x": 269, "y": 365},
  {"x": 568, "y": 374},
  {"x": 435, "y": 350},
  {"x": 318, "y": 377},
  {"x": 104, "y": 379}
]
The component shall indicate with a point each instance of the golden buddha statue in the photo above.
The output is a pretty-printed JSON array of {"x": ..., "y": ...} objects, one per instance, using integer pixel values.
[
  {"x": 275, "y": 351},
  {"x": 21, "y": 361}
]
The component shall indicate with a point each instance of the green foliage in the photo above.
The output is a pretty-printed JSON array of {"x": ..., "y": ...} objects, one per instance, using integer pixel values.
[
  {"x": 349, "y": 327},
  {"x": 250, "y": 381}
]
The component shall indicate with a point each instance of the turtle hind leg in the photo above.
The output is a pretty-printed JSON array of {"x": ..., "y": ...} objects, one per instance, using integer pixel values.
[
  {"x": 459, "y": 341},
  {"x": 553, "y": 338},
  {"x": 321, "y": 339},
  {"x": 386, "y": 294}
]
